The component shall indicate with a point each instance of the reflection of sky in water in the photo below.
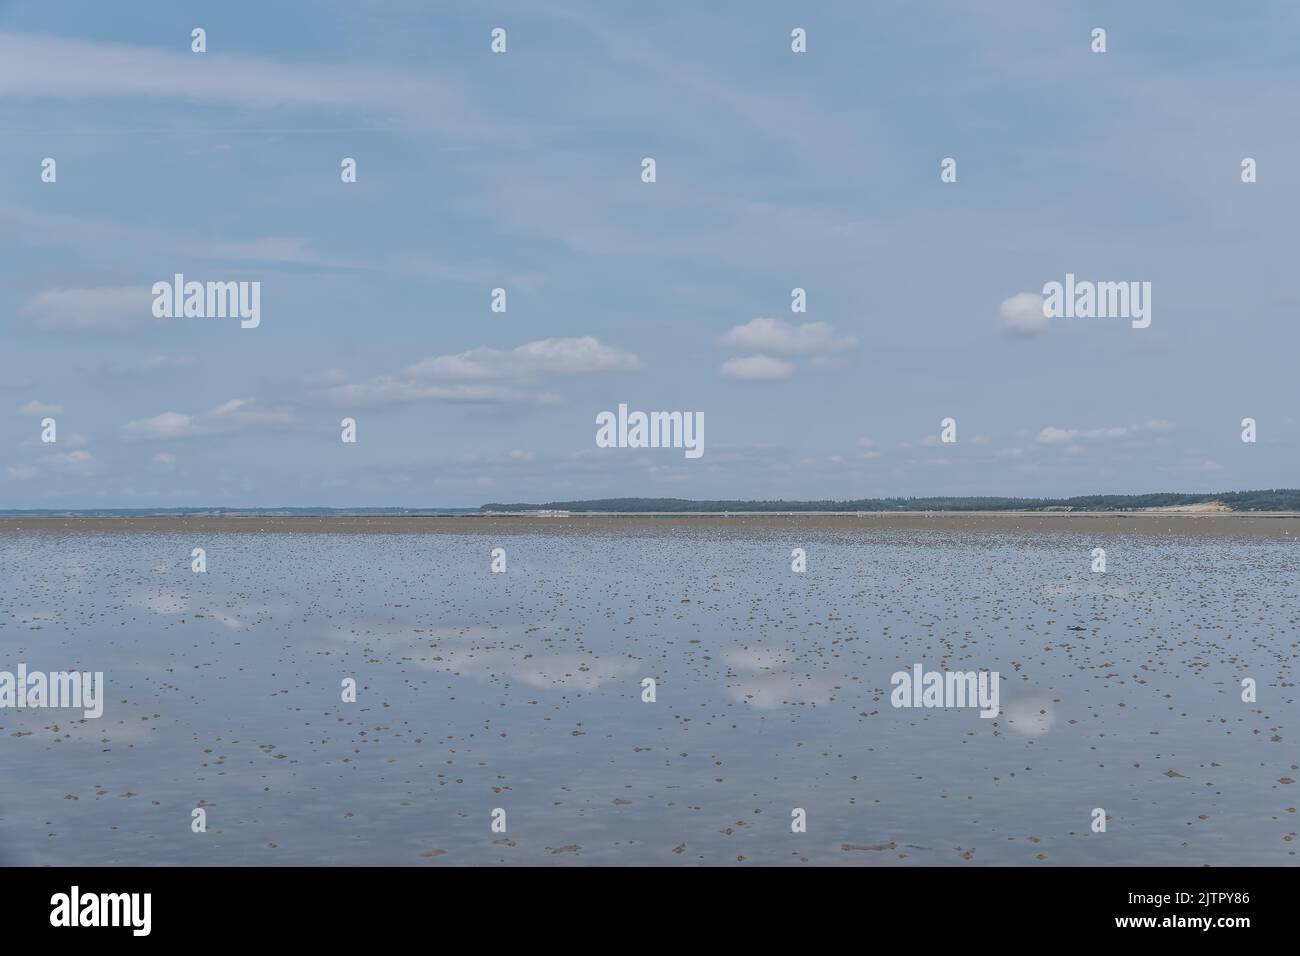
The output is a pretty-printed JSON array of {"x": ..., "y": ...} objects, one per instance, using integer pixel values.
[{"x": 522, "y": 690}]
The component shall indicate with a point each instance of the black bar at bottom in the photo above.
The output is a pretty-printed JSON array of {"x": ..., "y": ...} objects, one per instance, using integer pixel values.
[{"x": 337, "y": 905}]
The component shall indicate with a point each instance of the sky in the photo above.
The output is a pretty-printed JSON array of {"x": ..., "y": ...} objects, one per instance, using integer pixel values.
[{"x": 523, "y": 171}]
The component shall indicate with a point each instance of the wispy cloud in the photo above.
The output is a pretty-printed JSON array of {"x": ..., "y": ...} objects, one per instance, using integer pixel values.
[
  {"x": 386, "y": 390},
  {"x": 39, "y": 408},
  {"x": 574, "y": 356},
  {"x": 1067, "y": 436},
  {"x": 489, "y": 376},
  {"x": 115, "y": 308},
  {"x": 269, "y": 249},
  {"x": 234, "y": 415},
  {"x": 48, "y": 67},
  {"x": 756, "y": 368}
]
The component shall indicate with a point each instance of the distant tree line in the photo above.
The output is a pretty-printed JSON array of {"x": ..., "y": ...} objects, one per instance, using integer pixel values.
[{"x": 1279, "y": 499}]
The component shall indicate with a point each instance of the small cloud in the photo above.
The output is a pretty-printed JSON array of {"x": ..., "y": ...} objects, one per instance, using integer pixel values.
[
  {"x": 240, "y": 412},
  {"x": 230, "y": 416},
  {"x": 1064, "y": 436},
  {"x": 39, "y": 408},
  {"x": 1023, "y": 313},
  {"x": 488, "y": 376},
  {"x": 1208, "y": 465},
  {"x": 151, "y": 365},
  {"x": 570, "y": 356},
  {"x": 783, "y": 338},
  {"x": 386, "y": 390},
  {"x": 164, "y": 426},
  {"x": 756, "y": 368},
  {"x": 110, "y": 309},
  {"x": 74, "y": 462},
  {"x": 231, "y": 406},
  {"x": 1068, "y": 436}
]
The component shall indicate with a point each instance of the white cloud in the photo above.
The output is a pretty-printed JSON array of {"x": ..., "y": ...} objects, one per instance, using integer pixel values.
[
  {"x": 488, "y": 376},
  {"x": 1023, "y": 313},
  {"x": 231, "y": 406},
  {"x": 247, "y": 412},
  {"x": 39, "y": 408},
  {"x": 112, "y": 308},
  {"x": 166, "y": 425},
  {"x": 238, "y": 413},
  {"x": 783, "y": 338},
  {"x": 756, "y": 368},
  {"x": 1069, "y": 436},
  {"x": 75, "y": 462},
  {"x": 385, "y": 390},
  {"x": 79, "y": 462},
  {"x": 570, "y": 356}
]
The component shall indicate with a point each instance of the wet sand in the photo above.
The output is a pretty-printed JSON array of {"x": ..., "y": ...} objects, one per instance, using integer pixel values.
[
  {"x": 1284, "y": 525},
  {"x": 523, "y": 691}
]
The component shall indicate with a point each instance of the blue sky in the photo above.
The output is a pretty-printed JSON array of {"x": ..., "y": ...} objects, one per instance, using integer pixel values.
[{"x": 522, "y": 170}]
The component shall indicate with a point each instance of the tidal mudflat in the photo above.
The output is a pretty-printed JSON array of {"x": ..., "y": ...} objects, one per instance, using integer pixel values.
[{"x": 522, "y": 691}]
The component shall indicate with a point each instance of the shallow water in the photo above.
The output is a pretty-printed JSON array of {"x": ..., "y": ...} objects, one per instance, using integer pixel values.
[{"x": 522, "y": 691}]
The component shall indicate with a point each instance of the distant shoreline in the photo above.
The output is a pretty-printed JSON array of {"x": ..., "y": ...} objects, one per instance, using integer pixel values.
[
  {"x": 1281, "y": 525},
  {"x": 1264, "y": 501}
]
